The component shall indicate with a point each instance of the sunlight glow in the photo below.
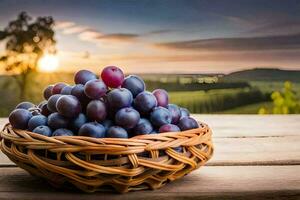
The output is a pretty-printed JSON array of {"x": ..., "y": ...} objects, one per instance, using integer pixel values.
[{"x": 48, "y": 63}]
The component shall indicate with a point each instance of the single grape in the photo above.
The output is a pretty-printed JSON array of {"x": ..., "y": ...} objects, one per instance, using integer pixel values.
[
  {"x": 127, "y": 118},
  {"x": 112, "y": 76},
  {"x": 187, "y": 123},
  {"x": 168, "y": 128},
  {"x": 43, "y": 130},
  {"x": 175, "y": 112},
  {"x": 116, "y": 132},
  {"x": 37, "y": 120},
  {"x": 96, "y": 111},
  {"x": 119, "y": 98},
  {"x": 145, "y": 102},
  {"x": 56, "y": 121},
  {"x": 134, "y": 84},
  {"x": 95, "y": 89},
  {"x": 51, "y": 105},
  {"x": 83, "y": 76},
  {"x": 77, "y": 122},
  {"x": 107, "y": 124},
  {"x": 58, "y": 87},
  {"x": 67, "y": 90},
  {"x": 44, "y": 109},
  {"x": 25, "y": 105},
  {"x": 162, "y": 97},
  {"x": 68, "y": 106},
  {"x": 92, "y": 129},
  {"x": 40, "y": 105},
  {"x": 63, "y": 132},
  {"x": 184, "y": 113},
  {"x": 160, "y": 116},
  {"x": 143, "y": 127},
  {"x": 48, "y": 92},
  {"x": 19, "y": 118},
  {"x": 78, "y": 92}
]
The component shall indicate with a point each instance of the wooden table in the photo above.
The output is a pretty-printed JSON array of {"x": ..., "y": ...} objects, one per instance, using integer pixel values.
[{"x": 256, "y": 157}]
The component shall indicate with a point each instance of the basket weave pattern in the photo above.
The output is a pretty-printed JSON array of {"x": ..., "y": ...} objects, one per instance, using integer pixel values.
[{"x": 97, "y": 164}]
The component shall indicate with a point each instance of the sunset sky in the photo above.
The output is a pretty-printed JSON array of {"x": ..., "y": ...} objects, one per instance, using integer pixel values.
[{"x": 189, "y": 36}]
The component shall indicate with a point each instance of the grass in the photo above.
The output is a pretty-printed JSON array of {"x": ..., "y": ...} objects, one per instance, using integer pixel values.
[{"x": 248, "y": 109}]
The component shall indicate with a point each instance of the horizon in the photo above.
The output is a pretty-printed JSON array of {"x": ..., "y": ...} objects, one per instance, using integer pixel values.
[{"x": 181, "y": 37}]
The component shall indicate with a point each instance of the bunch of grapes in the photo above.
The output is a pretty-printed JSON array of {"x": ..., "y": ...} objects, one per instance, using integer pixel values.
[{"x": 111, "y": 106}]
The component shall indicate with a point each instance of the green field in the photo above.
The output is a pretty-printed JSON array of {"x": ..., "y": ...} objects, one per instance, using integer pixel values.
[{"x": 248, "y": 109}]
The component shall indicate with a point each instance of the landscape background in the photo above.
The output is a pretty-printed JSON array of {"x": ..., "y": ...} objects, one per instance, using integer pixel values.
[{"x": 209, "y": 58}]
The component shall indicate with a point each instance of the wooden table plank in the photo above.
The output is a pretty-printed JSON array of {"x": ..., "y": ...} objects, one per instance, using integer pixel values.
[{"x": 230, "y": 182}]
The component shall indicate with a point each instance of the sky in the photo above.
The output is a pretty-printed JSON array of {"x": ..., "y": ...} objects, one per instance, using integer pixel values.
[{"x": 169, "y": 36}]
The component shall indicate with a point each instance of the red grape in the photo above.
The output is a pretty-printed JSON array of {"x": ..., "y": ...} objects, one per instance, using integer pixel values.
[
  {"x": 112, "y": 76},
  {"x": 162, "y": 97},
  {"x": 58, "y": 87}
]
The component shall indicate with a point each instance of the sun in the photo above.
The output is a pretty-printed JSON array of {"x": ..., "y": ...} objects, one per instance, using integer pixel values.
[{"x": 48, "y": 63}]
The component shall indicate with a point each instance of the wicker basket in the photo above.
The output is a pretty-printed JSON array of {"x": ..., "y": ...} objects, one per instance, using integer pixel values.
[{"x": 98, "y": 164}]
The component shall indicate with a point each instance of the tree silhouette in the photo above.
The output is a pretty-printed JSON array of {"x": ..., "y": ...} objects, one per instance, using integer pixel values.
[{"x": 26, "y": 42}]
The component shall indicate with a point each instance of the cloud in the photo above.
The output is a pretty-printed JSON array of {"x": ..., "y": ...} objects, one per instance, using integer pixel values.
[
  {"x": 237, "y": 44},
  {"x": 63, "y": 24}
]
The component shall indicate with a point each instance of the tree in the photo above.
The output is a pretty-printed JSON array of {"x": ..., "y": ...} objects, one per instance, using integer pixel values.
[{"x": 26, "y": 42}]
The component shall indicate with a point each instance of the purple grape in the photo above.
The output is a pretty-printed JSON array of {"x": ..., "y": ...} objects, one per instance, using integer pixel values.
[
  {"x": 134, "y": 84},
  {"x": 48, "y": 92},
  {"x": 143, "y": 127},
  {"x": 51, "y": 105},
  {"x": 92, "y": 129},
  {"x": 168, "y": 128},
  {"x": 19, "y": 118},
  {"x": 40, "y": 105},
  {"x": 112, "y": 76},
  {"x": 25, "y": 105},
  {"x": 116, "y": 132},
  {"x": 37, "y": 120},
  {"x": 44, "y": 109},
  {"x": 78, "y": 92},
  {"x": 63, "y": 132},
  {"x": 162, "y": 97},
  {"x": 145, "y": 102},
  {"x": 107, "y": 124},
  {"x": 119, "y": 98},
  {"x": 160, "y": 116},
  {"x": 77, "y": 122},
  {"x": 187, "y": 123},
  {"x": 56, "y": 121},
  {"x": 83, "y": 76},
  {"x": 96, "y": 111},
  {"x": 127, "y": 118},
  {"x": 68, "y": 106},
  {"x": 57, "y": 88},
  {"x": 184, "y": 113},
  {"x": 95, "y": 89},
  {"x": 43, "y": 130},
  {"x": 67, "y": 90},
  {"x": 175, "y": 113}
]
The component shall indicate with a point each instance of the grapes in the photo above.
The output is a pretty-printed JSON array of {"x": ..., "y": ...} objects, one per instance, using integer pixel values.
[
  {"x": 25, "y": 105},
  {"x": 143, "y": 127},
  {"x": 19, "y": 118},
  {"x": 184, "y": 113},
  {"x": 162, "y": 97},
  {"x": 83, "y": 76},
  {"x": 92, "y": 129},
  {"x": 37, "y": 120},
  {"x": 77, "y": 122},
  {"x": 127, "y": 118},
  {"x": 43, "y": 130},
  {"x": 175, "y": 113},
  {"x": 160, "y": 116},
  {"x": 68, "y": 106},
  {"x": 78, "y": 92},
  {"x": 66, "y": 90},
  {"x": 57, "y": 88},
  {"x": 116, "y": 132},
  {"x": 134, "y": 84},
  {"x": 168, "y": 128},
  {"x": 187, "y": 123},
  {"x": 95, "y": 89},
  {"x": 51, "y": 105},
  {"x": 107, "y": 124},
  {"x": 119, "y": 98},
  {"x": 62, "y": 132},
  {"x": 112, "y": 76},
  {"x": 96, "y": 111},
  {"x": 56, "y": 121},
  {"x": 145, "y": 102},
  {"x": 44, "y": 109},
  {"x": 48, "y": 92}
]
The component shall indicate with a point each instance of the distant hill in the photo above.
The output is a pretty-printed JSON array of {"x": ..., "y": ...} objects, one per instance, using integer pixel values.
[{"x": 264, "y": 74}]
